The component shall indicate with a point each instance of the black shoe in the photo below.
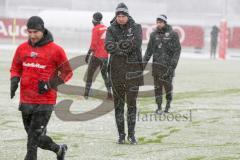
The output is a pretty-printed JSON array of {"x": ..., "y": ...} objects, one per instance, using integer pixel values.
[
  {"x": 109, "y": 96},
  {"x": 166, "y": 111},
  {"x": 62, "y": 151},
  {"x": 167, "y": 108},
  {"x": 121, "y": 139},
  {"x": 86, "y": 95},
  {"x": 132, "y": 140},
  {"x": 158, "y": 111},
  {"x": 87, "y": 91}
]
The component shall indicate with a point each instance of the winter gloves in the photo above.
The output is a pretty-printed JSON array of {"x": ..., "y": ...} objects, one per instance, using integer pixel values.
[
  {"x": 125, "y": 45},
  {"x": 45, "y": 86},
  {"x": 14, "y": 85},
  {"x": 88, "y": 56},
  {"x": 121, "y": 47},
  {"x": 111, "y": 46}
]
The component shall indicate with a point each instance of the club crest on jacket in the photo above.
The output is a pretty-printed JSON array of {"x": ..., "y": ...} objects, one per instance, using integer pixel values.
[{"x": 34, "y": 54}]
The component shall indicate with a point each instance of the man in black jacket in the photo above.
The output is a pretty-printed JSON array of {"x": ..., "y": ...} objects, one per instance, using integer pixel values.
[
  {"x": 123, "y": 42},
  {"x": 165, "y": 47}
]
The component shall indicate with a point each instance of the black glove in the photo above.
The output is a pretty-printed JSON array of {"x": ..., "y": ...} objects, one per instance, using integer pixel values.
[
  {"x": 125, "y": 46},
  {"x": 88, "y": 55},
  {"x": 111, "y": 46},
  {"x": 14, "y": 85},
  {"x": 87, "y": 58},
  {"x": 45, "y": 86}
]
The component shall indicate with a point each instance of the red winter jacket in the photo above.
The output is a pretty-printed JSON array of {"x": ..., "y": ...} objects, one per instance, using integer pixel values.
[
  {"x": 40, "y": 62},
  {"x": 97, "y": 43}
]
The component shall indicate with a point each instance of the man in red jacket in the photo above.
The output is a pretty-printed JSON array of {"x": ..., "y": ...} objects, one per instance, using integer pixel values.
[
  {"x": 40, "y": 65},
  {"x": 99, "y": 56}
]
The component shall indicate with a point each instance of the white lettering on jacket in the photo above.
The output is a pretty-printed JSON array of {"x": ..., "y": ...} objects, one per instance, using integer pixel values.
[{"x": 34, "y": 65}]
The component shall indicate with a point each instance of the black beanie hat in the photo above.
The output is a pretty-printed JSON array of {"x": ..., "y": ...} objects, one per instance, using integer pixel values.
[
  {"x": 35, "y": 22},
  {"x": 97, "y": 17},
  {"x": 122, "y": 9},
  {"x": 162, "y": 17}
]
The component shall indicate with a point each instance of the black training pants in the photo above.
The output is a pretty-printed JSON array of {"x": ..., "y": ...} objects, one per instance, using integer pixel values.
[{"x": 35, "y": 119}]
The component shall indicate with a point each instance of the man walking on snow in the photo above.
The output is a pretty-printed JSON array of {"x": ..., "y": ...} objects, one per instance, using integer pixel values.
[
  {"x": 124, "y": 42},
  {"x": 164, "y": 46},
  {"x": 40, "y": 66},
  {"x": 99, "y": 56}
]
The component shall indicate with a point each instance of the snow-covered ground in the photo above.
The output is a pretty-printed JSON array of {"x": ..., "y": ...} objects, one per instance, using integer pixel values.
[
  {"x": 187, "y": 54},
  {"x": 206, "y": 93}
]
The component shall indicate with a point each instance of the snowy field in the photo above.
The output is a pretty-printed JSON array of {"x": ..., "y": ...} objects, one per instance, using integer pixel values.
[{"x": 204, "y": 122}]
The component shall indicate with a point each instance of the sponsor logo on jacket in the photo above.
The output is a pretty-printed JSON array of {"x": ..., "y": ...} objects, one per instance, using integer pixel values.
[{"x": 34, "y": 65}]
